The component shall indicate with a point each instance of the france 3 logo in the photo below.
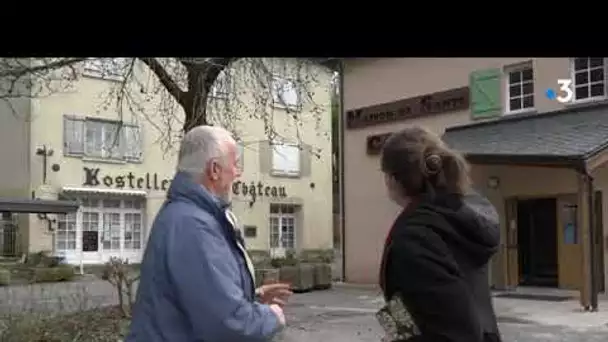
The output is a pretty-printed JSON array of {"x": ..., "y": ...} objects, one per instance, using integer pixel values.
[{"x": 564, "y": 94}]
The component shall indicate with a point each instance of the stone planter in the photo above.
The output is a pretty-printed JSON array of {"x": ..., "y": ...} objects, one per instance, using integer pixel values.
[
  {"x": 322, "y": 276},
  {"x": 5, "y": 277},
  {"x": 301, "y": 277},
  {"x": 266, "y": 276}
]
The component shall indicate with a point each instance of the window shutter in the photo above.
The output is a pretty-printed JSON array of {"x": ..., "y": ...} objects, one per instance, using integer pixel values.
[
  {"x": 133, "y": 143},
  {"x": 485, "y": 93},
  {"x": 93, "y": 138},
  {"x": 73, "y": 136},
  {"x": 286, "y": 159}
]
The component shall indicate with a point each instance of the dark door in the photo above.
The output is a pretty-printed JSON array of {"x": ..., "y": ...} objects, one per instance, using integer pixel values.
[{"x": 537, "y": 242}]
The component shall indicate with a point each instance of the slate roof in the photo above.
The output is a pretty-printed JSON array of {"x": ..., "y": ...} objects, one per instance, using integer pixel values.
[{"x": 573, "y": 133}]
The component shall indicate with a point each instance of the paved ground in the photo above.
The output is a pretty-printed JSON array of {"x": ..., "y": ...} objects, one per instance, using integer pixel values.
[
  {"x": 347, "y": 315},
  {"x": 343, "y": 313}
]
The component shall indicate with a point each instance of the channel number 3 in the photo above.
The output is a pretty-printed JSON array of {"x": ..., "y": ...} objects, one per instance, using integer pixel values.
[{"x": 565, "y": 87}]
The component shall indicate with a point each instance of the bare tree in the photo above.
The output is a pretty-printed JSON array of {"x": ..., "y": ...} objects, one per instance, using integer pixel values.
[{"x": 192, "y": 91}]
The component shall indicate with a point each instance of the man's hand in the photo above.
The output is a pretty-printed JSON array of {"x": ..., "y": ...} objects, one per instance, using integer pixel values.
[
  {"x": 278, "y": 312},
  {"x": 274, "y": 293}
]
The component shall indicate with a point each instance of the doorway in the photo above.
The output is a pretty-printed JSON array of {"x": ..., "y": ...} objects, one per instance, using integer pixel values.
[{"x": 537, "y": 242}]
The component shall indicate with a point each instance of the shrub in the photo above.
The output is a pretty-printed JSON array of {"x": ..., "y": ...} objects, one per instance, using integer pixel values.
[
  {"x": 52, "y": 274},
  {"x": 96, "y": 325},
  {"x": 122, "y": 276},
  {"x": 42, "y": 259},
  {"x": 260, "y": 258},
  {"x": 317, "y": 255},
  {"x": 5, "y": 277},
  {"x": 290, "y": 259}
]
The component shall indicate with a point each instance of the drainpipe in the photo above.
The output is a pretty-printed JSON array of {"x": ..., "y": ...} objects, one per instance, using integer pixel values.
[
  {"x": 341, "y": 170},
  {"x": 592, "y": 237},
  {"x": 593, "y": 245}
]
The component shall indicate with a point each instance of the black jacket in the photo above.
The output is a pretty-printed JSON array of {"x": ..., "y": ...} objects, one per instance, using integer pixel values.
[{"x": 436, "y": 259}]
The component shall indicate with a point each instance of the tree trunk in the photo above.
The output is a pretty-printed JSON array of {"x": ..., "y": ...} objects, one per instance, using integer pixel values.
[
  {"x": 196, "y": 104},
  {"x": 195, "y": 117}
]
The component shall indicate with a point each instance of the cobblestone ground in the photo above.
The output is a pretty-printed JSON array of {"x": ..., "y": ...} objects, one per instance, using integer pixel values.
[{"x": 337, "y": 315}]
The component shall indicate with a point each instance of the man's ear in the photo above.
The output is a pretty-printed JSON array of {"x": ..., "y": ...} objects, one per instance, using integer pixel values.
[{"x": 214, "y": 170}]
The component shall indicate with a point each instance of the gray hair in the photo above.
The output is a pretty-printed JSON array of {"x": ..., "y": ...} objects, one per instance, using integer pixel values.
[{"x": 199, "y": 146}]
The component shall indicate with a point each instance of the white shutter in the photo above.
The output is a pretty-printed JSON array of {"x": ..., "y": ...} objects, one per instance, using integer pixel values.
[
  {"x": 286, "y": 159},
  {"x": 93, "y": 139},
  {"x": 73, "y": 135},
  {"x": 285, "y": 93},
  {"x": 290, "y": 94},
  {"x": 133, "y": 143}
]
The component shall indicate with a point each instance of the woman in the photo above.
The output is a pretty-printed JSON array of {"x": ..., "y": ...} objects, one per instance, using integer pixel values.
[{"x": 434, "y": 272}]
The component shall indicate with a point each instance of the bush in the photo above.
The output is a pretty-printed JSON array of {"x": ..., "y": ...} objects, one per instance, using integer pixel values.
[
  {"x": 96, "y": 325},
  {"x": 52, "y": 274},
  {"x": 42, "y": 259},
  {"x": 123, "y": 277},
  {"x": 5, "y": 277},
  {"x": 260, "y": 258},
  {"x": 317, "y": 255},
  {"x": 290, "y": 259}
]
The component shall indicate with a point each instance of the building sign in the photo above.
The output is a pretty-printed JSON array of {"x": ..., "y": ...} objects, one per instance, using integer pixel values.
[
  {"x": 260, "y": 189},
  {"x": 147, "y": 181},
  {"x": 375, "y": 142},
  {"x": 436, "y": 103}
]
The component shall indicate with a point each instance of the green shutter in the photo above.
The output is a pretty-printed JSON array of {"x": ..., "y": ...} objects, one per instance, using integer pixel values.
[{"x": 485, "y": 93}]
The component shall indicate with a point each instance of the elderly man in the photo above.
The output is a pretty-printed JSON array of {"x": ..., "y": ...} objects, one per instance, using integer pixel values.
[{"x": 197, "y": 282}]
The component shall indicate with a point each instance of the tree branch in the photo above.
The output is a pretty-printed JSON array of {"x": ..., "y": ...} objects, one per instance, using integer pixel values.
[
  {"x": 164, "y": 78},
  {"x": 19, "y": 72}
]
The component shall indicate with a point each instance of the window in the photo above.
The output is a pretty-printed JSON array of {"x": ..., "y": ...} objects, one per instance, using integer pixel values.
[
  {"x": 118, "y": 225},
  {"x": 101, "y": 139},
  {"x": 221, "y": 87},
  {"x": 133, "y": 224},
  {"x": 285, "y": 160},
  {"x": 520, "y": 88},
  {"x": 66, "y": 232},
  {"x": 589, "y": 78},
  {"x": 106, "y": 68},
  {"x": 282, "y": 226},
  {"x": 285, "y": 93}
]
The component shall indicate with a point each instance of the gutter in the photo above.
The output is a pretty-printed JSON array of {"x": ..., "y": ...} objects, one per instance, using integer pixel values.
[{"x": 341, "y": 127}]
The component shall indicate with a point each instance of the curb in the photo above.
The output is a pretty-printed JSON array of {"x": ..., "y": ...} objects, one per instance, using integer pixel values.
[{"x": 342, "y": 285}]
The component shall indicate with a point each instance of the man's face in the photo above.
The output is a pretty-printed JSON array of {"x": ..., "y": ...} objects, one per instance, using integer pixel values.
[{"x": 226, "y": 171}]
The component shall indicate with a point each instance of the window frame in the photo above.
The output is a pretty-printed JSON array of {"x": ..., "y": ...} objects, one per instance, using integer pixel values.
[
  {"x": 101, "y": 211},
  {"x": 128, "y": 151},
  {"x": 573, "y": 73},
  {"x": 279, "y": 215},
  {"x": 520, "y": 67},
  {"x": 274, "y": 95},
  {"x": 92, "y": 68},
  {"x": 221, "y": 88},
  {"x": 284, "y": 173}
]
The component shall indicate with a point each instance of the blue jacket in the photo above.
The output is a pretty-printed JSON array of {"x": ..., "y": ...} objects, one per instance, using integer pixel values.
[{"x": 195, "y": 285}]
